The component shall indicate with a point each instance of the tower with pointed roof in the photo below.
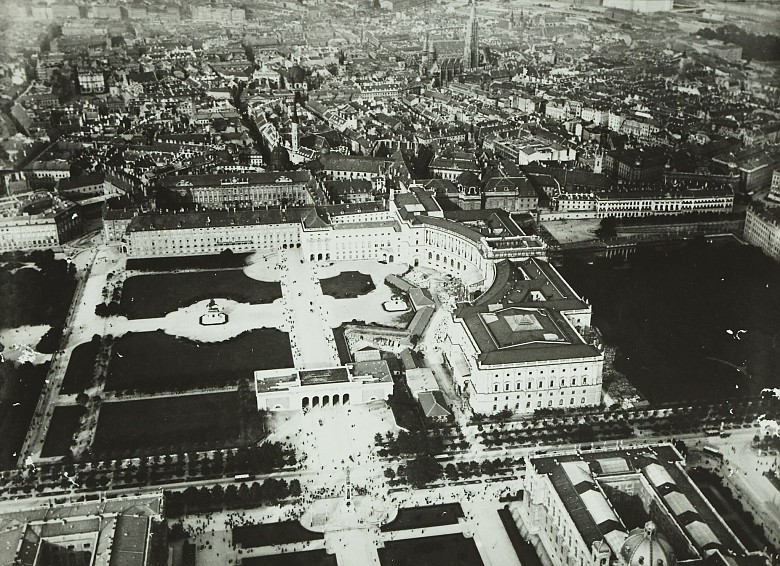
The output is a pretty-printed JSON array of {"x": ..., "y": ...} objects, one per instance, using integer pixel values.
[{"x": 471, "y": 46}]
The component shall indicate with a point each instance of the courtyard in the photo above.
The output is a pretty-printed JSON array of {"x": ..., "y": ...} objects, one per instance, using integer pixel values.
[{"x": 277, "y": 315}]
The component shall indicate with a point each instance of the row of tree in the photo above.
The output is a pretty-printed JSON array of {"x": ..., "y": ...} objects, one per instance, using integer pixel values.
[
  {"x": 754, "y": 46},
  {"x": 407, "y": 443},
  {"x": 241, "y": 496}
]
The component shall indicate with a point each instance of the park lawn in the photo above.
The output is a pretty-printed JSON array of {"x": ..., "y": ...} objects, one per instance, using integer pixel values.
[
  {"x": 444, "y": 550},
  {"x": 168, "y": 424},
  {"x": 155, "y": 295},
  {"x": 81, "y": 368},
  {"x": 62, "y": 428},
  {"x": 306, "y": 558},
  {"x": 20, "y": 388},
  {"x": 154, "y": 362},
  {"x": 347, "y": 285},
  {"x": 267, "y": 534},
  {"x": 425, "y": 516},
  {"x": 673, "y": 316}
]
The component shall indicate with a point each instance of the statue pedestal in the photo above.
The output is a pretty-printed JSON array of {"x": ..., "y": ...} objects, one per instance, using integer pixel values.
[
  {"x": 214, "y": 316},
  {"x": 211, "y": 319}
]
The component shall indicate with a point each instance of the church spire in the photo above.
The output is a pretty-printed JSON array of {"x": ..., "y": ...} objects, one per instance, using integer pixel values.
[{"x": 471, "y": 46}]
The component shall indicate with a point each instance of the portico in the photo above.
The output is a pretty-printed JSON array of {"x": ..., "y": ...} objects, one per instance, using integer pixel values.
[{"x": 294, "y": 390}]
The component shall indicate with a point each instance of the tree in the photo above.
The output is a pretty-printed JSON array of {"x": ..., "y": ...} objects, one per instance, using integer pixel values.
[
  {"x": 607, "y": 228},
  {"x": 422, "y": 470},
  {"x": 451, "y": 471},
  {"x": 50, "y": 342}
]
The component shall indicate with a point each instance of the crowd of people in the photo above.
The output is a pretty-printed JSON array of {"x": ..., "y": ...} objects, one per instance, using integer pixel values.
[{"x": 293, "y": 293}]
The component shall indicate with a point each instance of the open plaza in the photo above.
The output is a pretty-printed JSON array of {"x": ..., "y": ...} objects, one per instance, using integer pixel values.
[{"x": 279, "y": 316}]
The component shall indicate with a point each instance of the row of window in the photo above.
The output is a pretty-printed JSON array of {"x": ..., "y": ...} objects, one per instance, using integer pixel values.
[
  {"x": 541, "y": 371},
  {"x": 519, "y": 385}
]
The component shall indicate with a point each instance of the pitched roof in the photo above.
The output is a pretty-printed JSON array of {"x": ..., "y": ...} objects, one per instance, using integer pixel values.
[{"x": 433, "y": 404}]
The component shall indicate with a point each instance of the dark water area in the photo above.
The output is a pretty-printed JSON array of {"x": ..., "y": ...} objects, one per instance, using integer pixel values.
[{"x": 697, "y": 323}]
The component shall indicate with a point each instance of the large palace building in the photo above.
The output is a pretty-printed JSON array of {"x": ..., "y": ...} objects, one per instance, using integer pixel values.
[
  {"x": 521, "y": 342},
  {"x": 244, "y": 191}
]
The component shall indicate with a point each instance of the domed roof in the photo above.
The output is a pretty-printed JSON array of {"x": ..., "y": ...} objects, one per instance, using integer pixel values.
[
  {"x": 297, "y": 74},
  {"x": 647, "y": 547}
]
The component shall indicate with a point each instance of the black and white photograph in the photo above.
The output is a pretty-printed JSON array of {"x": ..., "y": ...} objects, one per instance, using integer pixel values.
[{"x": 389, "y": 282}]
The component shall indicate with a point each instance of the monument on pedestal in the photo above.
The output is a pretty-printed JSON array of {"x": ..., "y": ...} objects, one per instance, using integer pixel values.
[{"x": 214, "y": 315}]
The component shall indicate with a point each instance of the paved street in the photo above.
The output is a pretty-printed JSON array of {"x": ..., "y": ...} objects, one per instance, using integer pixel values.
[{"x": 311, "y": 338}]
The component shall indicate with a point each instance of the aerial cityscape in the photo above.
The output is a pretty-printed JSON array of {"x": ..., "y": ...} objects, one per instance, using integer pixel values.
[{"x": 389, "y": 283}]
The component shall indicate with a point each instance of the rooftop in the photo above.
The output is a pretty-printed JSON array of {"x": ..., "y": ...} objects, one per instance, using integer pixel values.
[
  {"x": 577, "y": 477},
  {"x": 214, "y": 218}
]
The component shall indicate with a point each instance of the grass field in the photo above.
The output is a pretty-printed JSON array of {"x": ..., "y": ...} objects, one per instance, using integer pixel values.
[
  {"x": 154, "y": 362},
  {"x": 445, "y": 550},
  {"x": 81, "y": 368},
  {"x": 152, "y": 296},
  {"x": 250, "y": 536},
  {"x": 308, "y": 558},
  {"x": 347, "y": 285},
  {"x": 64, "y": 425},
  {"x": 427, "y": 516},
  {"x": 673, "y": 315},
  {"x": 167, "y": 424}
]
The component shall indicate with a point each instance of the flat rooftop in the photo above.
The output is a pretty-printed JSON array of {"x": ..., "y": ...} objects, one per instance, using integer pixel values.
[
  {"x": 576, "y": 477},
  {"x": 289, "y": 378},
  {"x": 321, "y": 376}
]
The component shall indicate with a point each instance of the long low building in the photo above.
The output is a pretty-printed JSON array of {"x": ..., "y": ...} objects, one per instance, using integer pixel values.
[
  {"x": 409, "y": 228},
  {"x": 245, "y": 191},
  {"x": 634, "y": 506},
  {"x": 292, "y": 389},
  {"x": 646, "y": 203}
]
